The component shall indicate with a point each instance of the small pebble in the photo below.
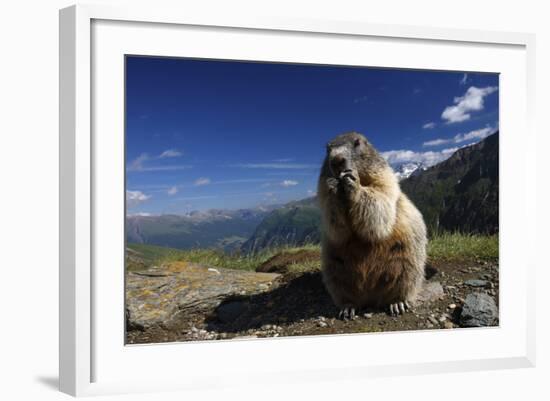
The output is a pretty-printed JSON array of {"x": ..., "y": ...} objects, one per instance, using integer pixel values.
[
  {"x": 448, "y": 325},
  {"x": 433, "y": 320},
  {"x": 452, "y": 306},
  {"x": 368, "y": 315},
  {"x": 322, "y": 324}
]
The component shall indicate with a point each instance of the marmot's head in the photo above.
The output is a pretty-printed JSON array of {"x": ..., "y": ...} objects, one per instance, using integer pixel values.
[{"x": 352, "y": 152}]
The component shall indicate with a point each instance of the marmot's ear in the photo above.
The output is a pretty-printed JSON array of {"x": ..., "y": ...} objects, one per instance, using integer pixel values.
[{"x": 357, "y": 142}]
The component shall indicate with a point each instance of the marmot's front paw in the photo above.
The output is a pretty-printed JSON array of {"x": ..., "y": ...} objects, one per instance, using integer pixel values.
[
  {"x": 332, "y": 184},
  {"x": 399, "y": 308},
  {"x": 350, "y": 181}
]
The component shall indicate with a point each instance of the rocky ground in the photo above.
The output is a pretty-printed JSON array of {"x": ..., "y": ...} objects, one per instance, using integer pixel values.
[{"x": 181, "y": 301}]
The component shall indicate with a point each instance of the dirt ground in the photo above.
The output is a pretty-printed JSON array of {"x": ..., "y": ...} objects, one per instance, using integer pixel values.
[{"x": 299, "y": 305}]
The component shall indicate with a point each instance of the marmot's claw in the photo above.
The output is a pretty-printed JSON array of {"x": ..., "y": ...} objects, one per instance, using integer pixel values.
[
  {"x": 346, "y": 313},
  {"x": 399, "y": 308},
  {"x": 349, "y": 174},
  {"x": 349, "y": 183}
]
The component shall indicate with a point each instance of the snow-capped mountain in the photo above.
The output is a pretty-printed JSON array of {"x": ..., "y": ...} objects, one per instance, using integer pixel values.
[{"x": 405, "y": 170}]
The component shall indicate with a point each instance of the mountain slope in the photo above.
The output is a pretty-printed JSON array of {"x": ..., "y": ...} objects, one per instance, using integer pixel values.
[
  {"x": 297, "y": 223},
  {"x": 225, "y": 229},
  {"x": 405, "y": 170},
  {"x": 461, "y": 193}
]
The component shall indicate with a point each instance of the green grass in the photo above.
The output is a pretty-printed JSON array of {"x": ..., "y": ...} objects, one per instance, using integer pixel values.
[
  {"x": 443, "y": 247},
  {"x": 157, "y": 255},
  {"x": 463, "y": 248},
  {"x": 153, "y": 252}
]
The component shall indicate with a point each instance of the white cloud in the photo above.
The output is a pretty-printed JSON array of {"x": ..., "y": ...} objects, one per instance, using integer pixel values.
[
  {"x": 464, "y": 79},
  {"x": 437, "y": 142},
  {"x": 140, "y": 214},
  {"x": 471, "y": 101},
  {"x": 282, "y": 160},
  {"x": 134, "y": 198},
  {"x": 137, "y": 163},
  {"x": 170, "y": 153},
  {"x": 428, "y": 158},
  {"x": 202, "y": 181},
  {"x": 311, "y": 192},
  {"x": 172, "y": 191},
  {"x": 429, "y": 125},
  {"x": 477, "y": 134},
  {"x": 289, "y": 183}
]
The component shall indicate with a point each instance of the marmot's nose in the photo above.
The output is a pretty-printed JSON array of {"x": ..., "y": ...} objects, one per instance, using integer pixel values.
[{"x": 340, "y": 164}]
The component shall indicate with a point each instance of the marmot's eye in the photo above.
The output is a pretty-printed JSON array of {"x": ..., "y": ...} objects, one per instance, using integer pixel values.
[{"x": 357, "y": 142}]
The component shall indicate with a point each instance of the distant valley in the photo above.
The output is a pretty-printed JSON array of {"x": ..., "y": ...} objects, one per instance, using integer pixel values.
[{"x": 224, "y": 229}]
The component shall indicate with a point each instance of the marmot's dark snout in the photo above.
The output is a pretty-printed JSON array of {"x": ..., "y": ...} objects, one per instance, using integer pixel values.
[{"x": 339, "y": 165}]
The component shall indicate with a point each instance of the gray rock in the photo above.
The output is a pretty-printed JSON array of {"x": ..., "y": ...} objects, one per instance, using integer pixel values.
[
  {"x": 167, "y": 295},
  {"x": 431, "y": 291},
  {"x": 476, "y": 283},
  {"x": 479, "y": 310}
]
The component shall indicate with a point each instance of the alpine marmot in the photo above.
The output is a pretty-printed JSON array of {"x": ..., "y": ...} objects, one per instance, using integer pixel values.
[{"x": 374, "y": 238}]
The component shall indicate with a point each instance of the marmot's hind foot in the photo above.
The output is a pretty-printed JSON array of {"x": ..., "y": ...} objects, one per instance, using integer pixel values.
[
  {"x": 399, "y": 308},
  {"x": 347, "y": 313}
]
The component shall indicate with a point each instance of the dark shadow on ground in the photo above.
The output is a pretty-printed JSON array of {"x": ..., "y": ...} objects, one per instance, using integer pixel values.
[{"x": 300, "y": 297}]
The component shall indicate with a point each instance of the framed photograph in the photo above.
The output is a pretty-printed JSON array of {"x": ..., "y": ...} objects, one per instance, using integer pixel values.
[{"x": 336, "y": 198}]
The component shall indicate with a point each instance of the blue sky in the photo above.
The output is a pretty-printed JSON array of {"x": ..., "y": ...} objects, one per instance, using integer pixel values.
[{"x": 206, "y": 134}]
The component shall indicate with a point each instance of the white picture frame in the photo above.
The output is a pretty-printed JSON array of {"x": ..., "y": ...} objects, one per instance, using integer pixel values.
[{"x": 89, "y": 363}]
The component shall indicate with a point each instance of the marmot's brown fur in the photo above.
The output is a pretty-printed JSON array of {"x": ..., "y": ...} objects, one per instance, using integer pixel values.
[{"x": 374, "y": 238}]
